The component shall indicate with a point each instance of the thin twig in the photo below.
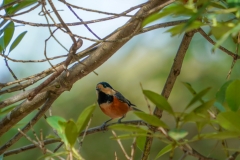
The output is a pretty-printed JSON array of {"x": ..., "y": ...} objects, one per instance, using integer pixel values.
[
  {"x": 120, "y": 144},
  {"x": 83, "y": 23},
  {"x": 235, "y": 56},
  {"x": 92, "y": 10},
  {"x": 133, "y": 148}
]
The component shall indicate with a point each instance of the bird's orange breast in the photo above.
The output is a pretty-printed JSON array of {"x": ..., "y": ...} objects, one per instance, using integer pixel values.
[{"x": 116, "y": 109}]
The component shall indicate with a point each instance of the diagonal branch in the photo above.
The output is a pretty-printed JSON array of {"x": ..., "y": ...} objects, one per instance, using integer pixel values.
[
  {"x": 175, "y": 71},
  {"x": 98, "y": 56}
]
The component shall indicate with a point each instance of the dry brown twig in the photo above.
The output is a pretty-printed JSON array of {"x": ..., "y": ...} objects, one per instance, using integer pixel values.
[{"x": 121, "y": 146}]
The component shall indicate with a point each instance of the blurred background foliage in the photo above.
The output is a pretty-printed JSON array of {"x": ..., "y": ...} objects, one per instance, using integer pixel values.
[{"x": 146, "y": 59}]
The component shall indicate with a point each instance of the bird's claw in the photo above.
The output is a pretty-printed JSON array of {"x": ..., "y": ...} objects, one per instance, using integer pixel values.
[{"x": 103, "y": 126}]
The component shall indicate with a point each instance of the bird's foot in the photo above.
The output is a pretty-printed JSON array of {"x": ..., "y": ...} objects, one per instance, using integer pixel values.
[{"x": 103, "y": 126}]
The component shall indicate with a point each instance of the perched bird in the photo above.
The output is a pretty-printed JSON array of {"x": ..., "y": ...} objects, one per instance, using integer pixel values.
[{"x": 112, "y": 102}]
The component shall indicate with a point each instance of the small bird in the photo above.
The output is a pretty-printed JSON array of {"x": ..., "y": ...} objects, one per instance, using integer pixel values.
[{"x": 112, "y": 102}]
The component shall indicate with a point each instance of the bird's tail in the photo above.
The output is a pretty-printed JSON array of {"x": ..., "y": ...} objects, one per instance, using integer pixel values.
[{"x": 135, "y": 109}]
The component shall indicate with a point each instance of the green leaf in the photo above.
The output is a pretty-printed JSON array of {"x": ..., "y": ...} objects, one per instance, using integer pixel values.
[
  {"x": 165, "y": 150},
  {"x": 180, "y": 28},
  {"x": 177, "y": 134},
  {"x": 151, "y": 119},
  {"x": 189, "y": 87},
  {"x": 141, "y": 142},
  {"x": 194, "y": 117},
  {"x": 229, "y": 121},
  {"x": 220, "y": 95},
  {"x": 17, "y": 40},
  {"x": 197, "y": 97},
  {"x": 173, "y": 9},
  {"x": 219, "y": 106},
  {"x": 71, "y": 132},
  {"x": 4, "y": 111},
  {"x": 129, "y": 128},
  {"x": 233, "y": 3},
  {"x": 221, "y": 135},
  {"x": 194, "y": 18},
  {"x": 2, "y": 45},
  {"x": 13, "y": 9},
  {"x": 61, "y": 132},
  {"x": 219, "y": 30},
  {"x": 217, "y": 5},
  {"x": 1, "y": 157},
  {"x": 232, "y": 95},
  {"x": 159, "y": 101},
  {"x": 8, "y": 33},
  {"x": 84, "y": 117},
  {"x": 204, "y": 107},
  {"x": 233, "y": 31},
  {"x": 53, "y": 121}
]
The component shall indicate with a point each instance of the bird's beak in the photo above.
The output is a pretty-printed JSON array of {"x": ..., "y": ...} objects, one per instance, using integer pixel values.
[{"x": 97, "y": 89}]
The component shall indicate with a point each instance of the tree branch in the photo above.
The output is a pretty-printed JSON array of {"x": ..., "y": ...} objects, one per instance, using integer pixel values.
[
  {"x": 175, "y": 71},
  {"x": 51, "y": 141},
  {"x": 48, "y": 98}
]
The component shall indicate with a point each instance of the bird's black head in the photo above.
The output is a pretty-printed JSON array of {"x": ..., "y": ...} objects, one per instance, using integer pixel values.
[
  {"x": 104, "y": 85},
  {"x": 105, "y": 88}
]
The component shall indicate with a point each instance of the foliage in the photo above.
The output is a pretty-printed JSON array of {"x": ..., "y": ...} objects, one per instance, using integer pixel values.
[
  {"x": 204, "y": 13},
  {"x": 198, "y": 115},
  {"x": 219, "y": 113}
]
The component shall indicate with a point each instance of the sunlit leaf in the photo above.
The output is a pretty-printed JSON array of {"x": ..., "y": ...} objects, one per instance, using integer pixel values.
[
  {"x": 8, "y": 33},
  {"x": 127, "y": 127},
  {"x": 151, "y": 119},
  {"x": 233, "y": 31},
  {"x": 165, "y": 150},
  {"x": 197, "y": 97},
  {"x": 84, "y": 117},
  {"x": 17, "y": 41},
  {"x": 219, "y": 30},
  {"x": 180, "y": 28},
  {"x": 233, "y": 95},
  {"x": 159, "y": 101},
  {"x": 220, "y": 95},
  {"x": 173, "y": 9},
  {"x": 71, "y": 132},
  {"x": 177, "y": 134},
  {"x": 229, "y": 121},
  {"x": 194, "y": 18},
  {"x": 53, "y": 121}
]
